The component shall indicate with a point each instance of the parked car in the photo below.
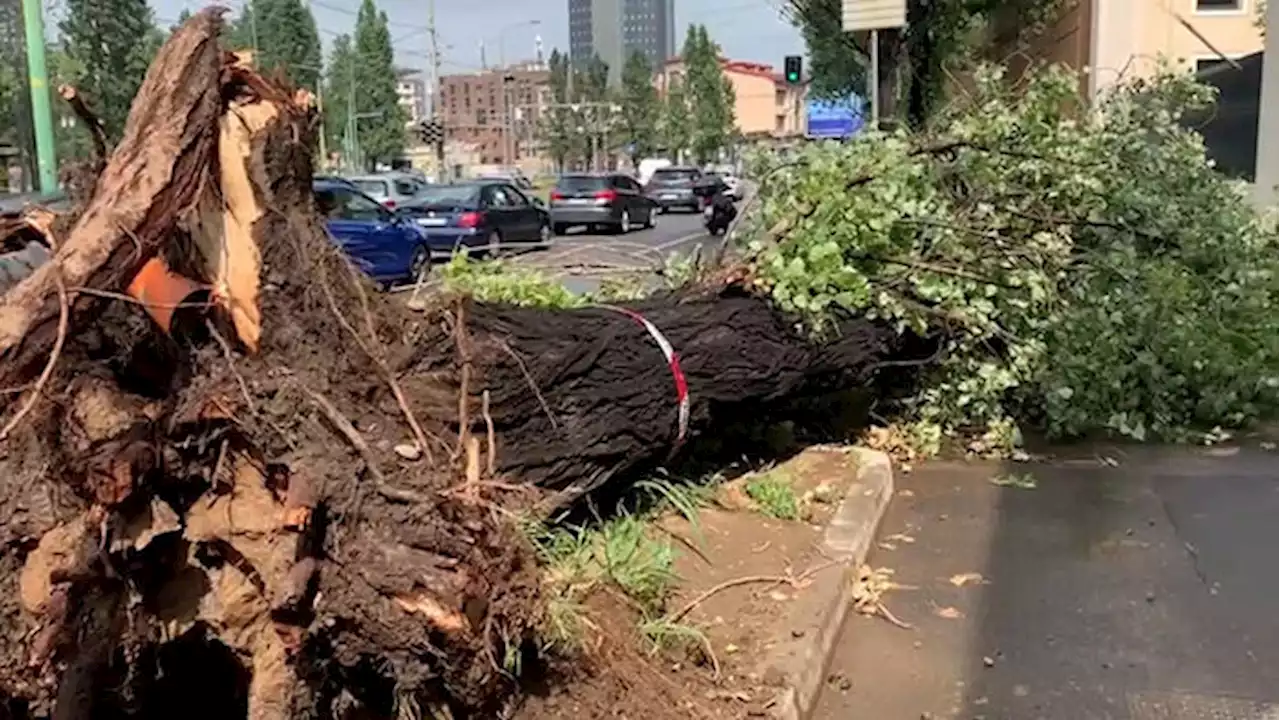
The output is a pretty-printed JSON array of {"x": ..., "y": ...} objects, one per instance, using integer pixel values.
[
  {"x": 518, "y": 179},
  {"x": 392, "y": 189},
  {"x": 384, "y": 245},
  {"x": 609, "y": 200},
  {"x": 644, "y": 171},
  {"x": 672, "y": 187},
  {"x": 482, "y": 214},
  {"x": 730, "y": 177}
]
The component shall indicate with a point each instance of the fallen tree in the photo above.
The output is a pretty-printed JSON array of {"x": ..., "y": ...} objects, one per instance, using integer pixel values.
[{"x": 236, "y": 479}]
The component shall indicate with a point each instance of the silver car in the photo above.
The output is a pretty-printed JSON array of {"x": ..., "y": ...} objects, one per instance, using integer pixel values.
[{"x": 392, "y": 189}]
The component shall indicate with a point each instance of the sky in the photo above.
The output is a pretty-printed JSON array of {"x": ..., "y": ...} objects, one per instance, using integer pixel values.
[{"x": 745, "y": 29}]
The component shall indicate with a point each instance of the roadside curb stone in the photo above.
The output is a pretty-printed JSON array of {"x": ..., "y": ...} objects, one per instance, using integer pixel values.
[{"x": 797, "y": 660}]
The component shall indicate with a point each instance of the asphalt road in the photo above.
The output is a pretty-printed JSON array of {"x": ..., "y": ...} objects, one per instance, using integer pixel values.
[
  {"x": 583, "y": 259},
  {"x": 1128, "y": 584}
]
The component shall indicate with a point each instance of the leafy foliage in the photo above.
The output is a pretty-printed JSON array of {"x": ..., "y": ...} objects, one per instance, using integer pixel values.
[
  {"x": 640, "y": 107},
  {"x": 288, "y": 41},
  {"x": 111, "y": 44},
  {"x": 382, "y": 133},
  {"x": 710, "y": 95},
  {"x": 339, "y": 89},
  {"x": 677, "y": 119},
  {"x": 1089, "y": 269},
  {"x": 499, "y": 282}
]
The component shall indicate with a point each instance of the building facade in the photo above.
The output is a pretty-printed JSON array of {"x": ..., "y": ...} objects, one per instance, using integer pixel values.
[
  {"x": 1110, "y": 41},
  {"x": 614, "y": 29},
  {"x": 496, "y": 112},
  {"x": 411, "y": 93},
  {"x": 764, "y": 104}
]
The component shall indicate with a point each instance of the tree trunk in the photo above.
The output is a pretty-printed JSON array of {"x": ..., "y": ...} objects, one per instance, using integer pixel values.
[{"x": 152, "y": 176}]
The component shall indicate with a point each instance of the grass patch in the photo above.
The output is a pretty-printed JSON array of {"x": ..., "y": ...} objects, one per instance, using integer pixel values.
[
  {"x": 623, "y": 553},
  {"x": 773, "y": 495}
]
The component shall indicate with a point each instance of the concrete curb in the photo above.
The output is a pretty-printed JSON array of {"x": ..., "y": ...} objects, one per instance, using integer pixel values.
[{"x": 798, "y": 664}]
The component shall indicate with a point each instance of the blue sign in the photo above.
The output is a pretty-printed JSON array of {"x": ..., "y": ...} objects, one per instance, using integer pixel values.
[{"x": 833, "y": 120}]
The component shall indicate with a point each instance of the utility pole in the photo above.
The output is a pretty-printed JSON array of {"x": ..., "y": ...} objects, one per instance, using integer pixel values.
[
  {"x": 41, "y": 110},
  {"x": 437, "y": 113}
]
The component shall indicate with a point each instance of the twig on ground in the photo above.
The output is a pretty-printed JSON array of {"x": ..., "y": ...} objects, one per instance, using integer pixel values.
[
  {"x": 64, "y": 319},
  {"x": 793, "y": 580},
  {"x": 464, "y": 381},
  {"x": 491, "y": 450},
  {"x": 524, "y": 370},
  {"x": 868, "y": 590},
  {"x": 353, "y": 436}
]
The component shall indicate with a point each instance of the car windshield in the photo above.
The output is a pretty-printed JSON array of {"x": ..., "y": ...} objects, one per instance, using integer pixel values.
[
  {"x": 447, "y": 195},
  {"x": 579, "y": 183},
  {"x": 674, "y": 177},
  {"x": 374, "y": 188}
]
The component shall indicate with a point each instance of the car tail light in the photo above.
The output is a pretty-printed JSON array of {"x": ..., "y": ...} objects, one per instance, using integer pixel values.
[
  {"x": 606, "y": 195},
  {"x": 556, "y": 195},
  {"x": 389, "y": 204},
  {"x": 470, "y": 220}
]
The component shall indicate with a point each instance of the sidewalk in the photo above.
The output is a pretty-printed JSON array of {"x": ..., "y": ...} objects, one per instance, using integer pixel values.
[{"x": 1143, "y": 591}]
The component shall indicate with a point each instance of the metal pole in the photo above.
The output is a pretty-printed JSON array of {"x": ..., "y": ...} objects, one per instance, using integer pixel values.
[
  {"x": 1265, "y": 175},
  {"x": 324, "y": 145},
  {"x": 875, "y": 79},
  {"x": 41, "y": 110}
]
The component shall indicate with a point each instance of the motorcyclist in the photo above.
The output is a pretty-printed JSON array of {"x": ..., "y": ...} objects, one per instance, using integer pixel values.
[{"x": 717, "y": 202}]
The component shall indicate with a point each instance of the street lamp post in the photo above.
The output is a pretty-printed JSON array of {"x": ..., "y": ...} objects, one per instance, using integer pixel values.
[{"x": 507, "y": 80}]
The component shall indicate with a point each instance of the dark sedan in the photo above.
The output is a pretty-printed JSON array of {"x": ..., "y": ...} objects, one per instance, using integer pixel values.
[
  {"x": 609, "y": 200},
  {"x": 672, "y": 187},
  {"x": 477, "y": 216}
]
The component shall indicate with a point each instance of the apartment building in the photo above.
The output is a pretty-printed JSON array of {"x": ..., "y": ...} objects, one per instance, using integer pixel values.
[
  {"x": 1109, "y": 40},
  {"x": 615, "y": 29},
  {"x": 765, "y": 105},
  {"x": 411, "y": 93},
  {"x": 496, "y": 112}
]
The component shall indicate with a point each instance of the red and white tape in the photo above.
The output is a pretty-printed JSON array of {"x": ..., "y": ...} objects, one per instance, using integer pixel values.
[{"x": 673, "y": 362}]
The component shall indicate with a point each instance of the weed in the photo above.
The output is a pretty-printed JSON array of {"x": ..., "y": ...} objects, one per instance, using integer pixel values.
[
  {"x": 773, "y": 494},
  {"x": 664, "y": 635},
  {"x": 638, "y": 564}
]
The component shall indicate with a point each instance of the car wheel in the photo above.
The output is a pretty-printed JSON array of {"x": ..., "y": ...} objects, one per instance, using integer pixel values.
[
  {"x": 651, "y": 218},
  {"x": 560, "y": 228},
  {"x": 544, "y": 235},
  {"x": 624, "y": 223},
  {"x": 493, "y": 244},
  {"x": 420, "y": 265}
]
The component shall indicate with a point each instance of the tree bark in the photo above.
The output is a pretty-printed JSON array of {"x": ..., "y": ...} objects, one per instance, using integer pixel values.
[{"x": 152, "y": 177}]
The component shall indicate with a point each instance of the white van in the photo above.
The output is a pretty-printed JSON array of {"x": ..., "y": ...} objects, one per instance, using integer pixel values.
[{"x": 647, "y": 166}]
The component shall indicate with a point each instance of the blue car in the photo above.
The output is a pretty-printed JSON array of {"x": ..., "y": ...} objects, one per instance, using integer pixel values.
[
  {"x": 476, "y": 216},
  {"x": 385, "y": 246}
]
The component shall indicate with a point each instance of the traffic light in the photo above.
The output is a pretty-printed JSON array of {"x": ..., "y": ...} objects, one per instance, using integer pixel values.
[{"x": 792, "y": 67}]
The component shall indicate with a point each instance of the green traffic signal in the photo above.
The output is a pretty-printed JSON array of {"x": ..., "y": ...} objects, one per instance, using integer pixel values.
[{"x": 792, "y": 69}]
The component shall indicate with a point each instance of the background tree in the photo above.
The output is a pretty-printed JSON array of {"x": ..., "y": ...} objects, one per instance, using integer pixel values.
[
  {"x": 241, "y": 32},
  {"x": 337, "y": 90},
  {"x": 70, "y": 137},
  {"x": 558, "y": 123},
  {"x": 640, "y": 108},
  {"x": 913, "y": 60},
  {"x": 288, "y": 40},
  {"x": 710, "y": 95},
  {"x": 382, "y": 137},
  {"x": 111, "y": 43},
  {"x": 677, "y": 123},
  {"x": 183, "y": 17}
]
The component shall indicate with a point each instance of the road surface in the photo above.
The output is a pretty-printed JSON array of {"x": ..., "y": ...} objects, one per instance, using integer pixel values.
[
  {"x": 1128, "y": 584},
  {"x": 582, "y": 259}
]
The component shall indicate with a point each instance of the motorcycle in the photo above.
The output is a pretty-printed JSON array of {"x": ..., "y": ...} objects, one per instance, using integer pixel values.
[{"x": 718, "y": 211}]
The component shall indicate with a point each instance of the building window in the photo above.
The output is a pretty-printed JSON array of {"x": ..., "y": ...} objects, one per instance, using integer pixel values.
[{"x": 1219, "y": 5}]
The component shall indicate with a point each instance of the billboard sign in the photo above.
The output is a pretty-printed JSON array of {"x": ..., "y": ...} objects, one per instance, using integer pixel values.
[{"x": 833, "y": 120}]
